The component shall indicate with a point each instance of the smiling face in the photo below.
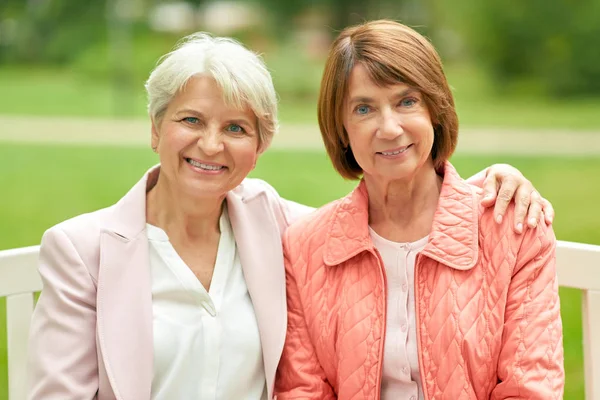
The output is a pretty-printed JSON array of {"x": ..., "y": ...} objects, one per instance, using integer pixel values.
[
  {"x": 389, "y": 127},
  {"x": 206, "y": 146}
]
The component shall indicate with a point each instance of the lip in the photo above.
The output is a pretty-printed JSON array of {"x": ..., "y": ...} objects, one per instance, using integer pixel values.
[
  {"x": 205, "y": 162},
  {"x": 204, "y": 171},
  {"x": 394, "y": 156}
]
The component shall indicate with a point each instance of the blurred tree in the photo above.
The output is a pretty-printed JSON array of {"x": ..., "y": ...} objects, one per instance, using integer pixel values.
[
  {"x": 350, "y": 12},
  {"x": 553, "y": 43},
  {"x": 342, "y": 13},
  {"x": 53, "y": 30}
]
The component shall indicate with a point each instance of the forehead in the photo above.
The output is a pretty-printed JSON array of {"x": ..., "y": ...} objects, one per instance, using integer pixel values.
[
  {"x": 361, "y": 82},
  {"x": 204, "y": 94}
]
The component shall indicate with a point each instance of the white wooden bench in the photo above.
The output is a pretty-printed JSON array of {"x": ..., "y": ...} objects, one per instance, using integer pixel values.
[
  {"x": 19, "y": 280},
  {"x": 578, "y": 267}
]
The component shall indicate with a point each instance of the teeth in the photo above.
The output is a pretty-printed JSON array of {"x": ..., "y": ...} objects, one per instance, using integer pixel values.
[
  {"x": 393, "y": 153},
  {"x": 204, "y": 166}
]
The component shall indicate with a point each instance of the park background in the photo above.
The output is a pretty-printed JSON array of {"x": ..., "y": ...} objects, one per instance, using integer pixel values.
[{"x": 74, "y": 135}]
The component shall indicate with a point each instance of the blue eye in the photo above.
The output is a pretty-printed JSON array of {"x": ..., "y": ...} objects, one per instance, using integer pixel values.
[
  {"x": 191, "y": 120},
  {"x": 409, "y": 102},
  {"x": 235, "y": 128},
  {"x": 362, "y": 110}
]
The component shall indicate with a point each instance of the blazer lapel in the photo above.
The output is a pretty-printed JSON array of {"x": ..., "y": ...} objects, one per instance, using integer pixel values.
[
  {"x": 125, "y": 315},
  {"x": 125, "y": 288},
  {"x": 124, "y": 303},
  {"x": 258, "y": 240}
]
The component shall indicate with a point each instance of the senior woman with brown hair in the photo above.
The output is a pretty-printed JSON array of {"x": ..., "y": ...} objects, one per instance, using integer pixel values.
[
  {"x": 408, "y": 288},
  {"x": 178, "y": 290}
]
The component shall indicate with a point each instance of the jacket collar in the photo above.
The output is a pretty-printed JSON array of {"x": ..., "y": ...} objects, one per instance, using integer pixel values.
[
  {"x": 453, "y": 240},
  {"x": 128, "y": 218},
  {"x": 125, "y": 286}
]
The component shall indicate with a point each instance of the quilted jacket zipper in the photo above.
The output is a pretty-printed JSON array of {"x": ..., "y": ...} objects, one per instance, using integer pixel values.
[
  {"x": 418, "y": 322},
  {"x": 383, "y": 276}
]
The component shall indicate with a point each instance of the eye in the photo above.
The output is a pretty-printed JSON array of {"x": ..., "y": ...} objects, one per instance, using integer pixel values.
[
  {"x": 191, "y": 120},
  {"x": 362, "y": 109},
  {"x": 235, "y": 128},
  {"x": 408, "y": 102}
]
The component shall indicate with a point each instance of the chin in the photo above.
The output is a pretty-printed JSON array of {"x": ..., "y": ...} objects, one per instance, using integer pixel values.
[{"x": 206, "y": 190}]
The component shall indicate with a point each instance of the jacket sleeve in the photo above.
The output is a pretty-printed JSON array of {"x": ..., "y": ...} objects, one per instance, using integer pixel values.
[
  {"x": 531, "y": 358},
  {"x": 293, "y": 210},
  {"x": 62, "y": 361},
  {"x": 299, "y": 375},
  {"x": 287, "y": 211}
]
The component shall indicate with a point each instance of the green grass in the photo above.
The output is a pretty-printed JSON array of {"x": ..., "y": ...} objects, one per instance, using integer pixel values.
[
  {"x": 42, "y": 185},
  {"x": 479, "y": 105},
  {"x": 48, "y": 92}
]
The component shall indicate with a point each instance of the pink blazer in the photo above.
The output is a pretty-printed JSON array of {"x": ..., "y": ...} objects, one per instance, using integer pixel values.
[
  {"x": 487, "y": 308},
  {"x": 91, "y": 333}
]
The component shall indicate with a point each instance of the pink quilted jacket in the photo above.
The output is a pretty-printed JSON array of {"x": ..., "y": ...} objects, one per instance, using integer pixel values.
[{"x": 487, "y": 307}]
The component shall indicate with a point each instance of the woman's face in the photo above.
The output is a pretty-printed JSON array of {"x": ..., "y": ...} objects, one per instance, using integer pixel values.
[
  {"x": 206, "y": 147},
  {"x": 389, "y": 127}
]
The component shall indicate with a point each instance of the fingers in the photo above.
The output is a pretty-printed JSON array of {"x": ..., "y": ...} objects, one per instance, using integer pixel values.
[
  {"x": 548, "y": 211},
  {"x": 535, "y": 209},
  {"x": 507, "y": 191},
  {"x": 490, "y": 188},
  {"x": 522, "y": 205}
]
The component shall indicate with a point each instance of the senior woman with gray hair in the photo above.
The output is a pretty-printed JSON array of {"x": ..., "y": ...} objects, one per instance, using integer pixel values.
[{"x": 177, "y": 291}]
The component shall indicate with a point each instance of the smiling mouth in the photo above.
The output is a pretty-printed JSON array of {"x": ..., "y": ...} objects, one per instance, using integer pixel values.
[
  {"x": 395, "y": 152},
  {"x": 206, "y": 167}
]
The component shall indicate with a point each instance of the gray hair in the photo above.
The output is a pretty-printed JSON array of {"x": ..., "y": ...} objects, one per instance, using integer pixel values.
[{"x": 240, "y": 73}]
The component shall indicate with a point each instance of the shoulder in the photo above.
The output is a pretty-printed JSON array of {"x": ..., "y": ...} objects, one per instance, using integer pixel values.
[
  {"x": 252, "y": 188},
  {"x": 313, "y": 225},
  {"x": 80, "y": 235},
  {"x": 83, "y": 225},
  {"x": 522, "y": 247},
  {"x": 500, "y": 242},
  {"x": 286, "y": 211}
]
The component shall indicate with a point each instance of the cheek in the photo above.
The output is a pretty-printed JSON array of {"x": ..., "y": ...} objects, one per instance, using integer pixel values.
[
  {"x": 245, "y": 154},
  {"x": 360, "y": 136},
  {"x": 356, "y": 133},
  {"x": 176, "y": 137},
  {"x": 423, "y": 126}
]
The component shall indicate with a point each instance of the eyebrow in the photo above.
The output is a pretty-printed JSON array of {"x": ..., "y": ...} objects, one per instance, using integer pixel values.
[
  {"x": 367, "y": 100},
  {"x": 189, "y": 111}
]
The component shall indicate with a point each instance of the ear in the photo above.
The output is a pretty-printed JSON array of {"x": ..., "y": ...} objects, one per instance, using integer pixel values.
[{"x": 155, "y": 138}]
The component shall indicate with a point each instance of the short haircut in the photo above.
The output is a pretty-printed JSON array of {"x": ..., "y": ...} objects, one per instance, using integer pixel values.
[
  {"x": 240, "y": 74},
  {"x": 391, "y": 53}
]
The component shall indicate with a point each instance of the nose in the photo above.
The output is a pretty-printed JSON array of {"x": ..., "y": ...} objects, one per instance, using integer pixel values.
[
  {"x": 211, "y": 141},
  {"x": 390, "y": 125}
]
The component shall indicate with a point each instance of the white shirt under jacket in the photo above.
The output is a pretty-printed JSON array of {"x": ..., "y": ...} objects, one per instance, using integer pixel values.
[{"x": 206, "y": 344}]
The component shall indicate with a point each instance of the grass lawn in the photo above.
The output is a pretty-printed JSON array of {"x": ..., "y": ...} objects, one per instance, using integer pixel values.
[
  {"x": 42, "y": 185},
  {"x": 48, "y": 92}
]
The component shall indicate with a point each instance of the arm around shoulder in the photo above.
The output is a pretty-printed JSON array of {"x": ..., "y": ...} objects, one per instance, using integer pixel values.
[
  {"x": 290, "y": 210},
  {"x": 62, "y": 361},
  {"x": 531, "y": 364},
  {"x": 293, "y": 210}
]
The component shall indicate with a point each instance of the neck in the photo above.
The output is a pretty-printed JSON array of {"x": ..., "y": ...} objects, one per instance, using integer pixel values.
[
  {"x": 180, "y": 215},
  {"x": 402, "y": 210}
]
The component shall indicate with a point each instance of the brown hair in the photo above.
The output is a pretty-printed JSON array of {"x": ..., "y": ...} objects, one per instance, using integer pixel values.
[{"x": 391, "y": 53}]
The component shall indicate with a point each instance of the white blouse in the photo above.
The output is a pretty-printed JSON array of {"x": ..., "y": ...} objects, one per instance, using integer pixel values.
[
  {"x": 206, "y": 344},
  {"x": 400, "y": 374}
]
